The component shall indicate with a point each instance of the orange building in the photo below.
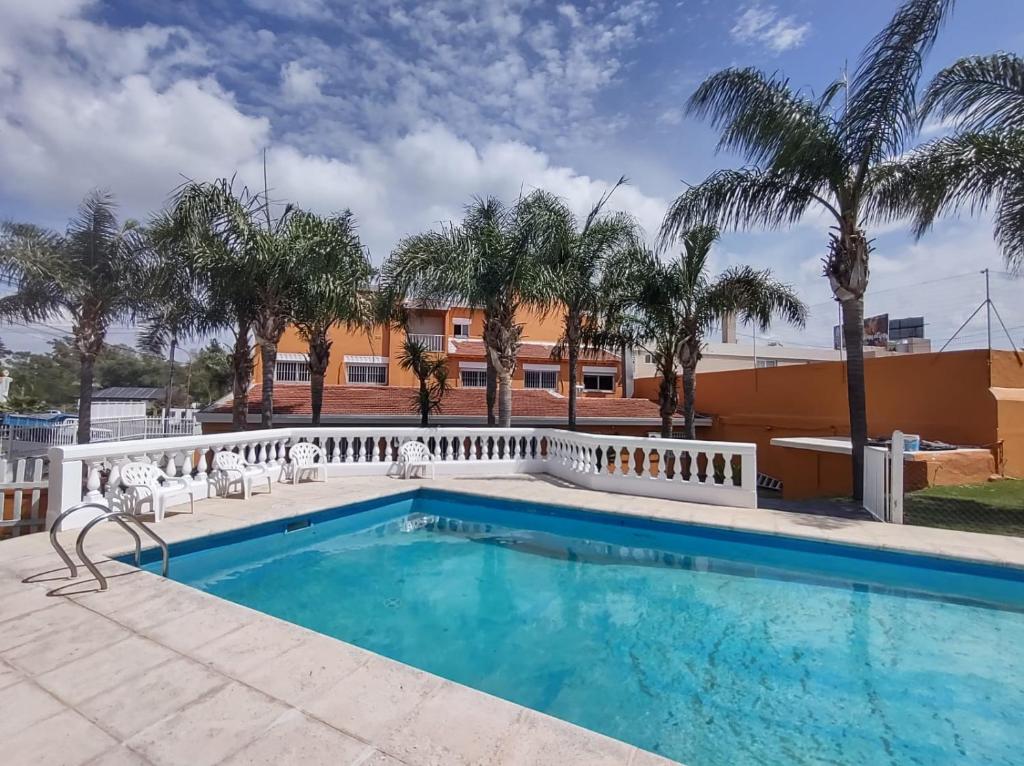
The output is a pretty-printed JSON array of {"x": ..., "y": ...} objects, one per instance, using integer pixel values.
[
  {"x": 964, "y": 398},
  {"x": 361, "y": 358},
  {"x": 365, "y": 384}
]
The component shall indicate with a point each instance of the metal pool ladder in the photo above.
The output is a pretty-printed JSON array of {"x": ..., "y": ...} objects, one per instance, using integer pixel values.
[{"x": 108, "y": 515}]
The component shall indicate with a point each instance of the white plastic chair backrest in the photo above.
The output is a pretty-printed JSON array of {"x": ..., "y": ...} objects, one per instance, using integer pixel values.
[
  {"x": 145, "y": 474},
  {"x": 225, "y": 460},
  {"x": 305, "y": 453},
  {"x": 413, "y": 452}
]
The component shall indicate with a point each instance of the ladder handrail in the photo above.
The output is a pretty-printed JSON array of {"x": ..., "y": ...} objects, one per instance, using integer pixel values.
[
  {"x": 117, "y": 516},
  {"x": 55, "y": 528}
]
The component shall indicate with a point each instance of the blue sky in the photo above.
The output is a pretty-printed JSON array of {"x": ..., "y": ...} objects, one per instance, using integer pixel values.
[{"x": 403, "y": 110}]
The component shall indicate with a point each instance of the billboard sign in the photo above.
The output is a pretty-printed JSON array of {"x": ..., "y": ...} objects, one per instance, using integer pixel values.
[{"x": 876, "y": 332}]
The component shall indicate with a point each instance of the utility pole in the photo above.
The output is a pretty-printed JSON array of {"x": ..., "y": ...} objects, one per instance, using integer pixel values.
[{"x": 988, "y": 310}]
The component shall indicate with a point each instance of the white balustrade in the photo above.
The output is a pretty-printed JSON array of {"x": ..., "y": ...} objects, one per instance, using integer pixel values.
[{"x": 718, "y": 473}]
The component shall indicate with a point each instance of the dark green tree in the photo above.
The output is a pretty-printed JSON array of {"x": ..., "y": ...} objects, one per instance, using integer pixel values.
[{"x": 431, "y": 371}]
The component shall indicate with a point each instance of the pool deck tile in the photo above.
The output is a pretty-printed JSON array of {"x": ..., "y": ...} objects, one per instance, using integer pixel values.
[{"x": 154, "y": 672}]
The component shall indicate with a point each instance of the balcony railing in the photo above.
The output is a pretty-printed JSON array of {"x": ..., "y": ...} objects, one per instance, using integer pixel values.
[
  {"x": 716, "y": 473},
  {"x": 429, "y": 342}
]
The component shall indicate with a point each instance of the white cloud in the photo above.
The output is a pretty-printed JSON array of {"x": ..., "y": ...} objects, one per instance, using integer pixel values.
[
  {"x": 301, "y": 84},
  {"x": 762, "y": 25},
  {"x": 425, "y": 177},
  {"x": 671, "y": 117},
  {"x": 71, "y": 125}
]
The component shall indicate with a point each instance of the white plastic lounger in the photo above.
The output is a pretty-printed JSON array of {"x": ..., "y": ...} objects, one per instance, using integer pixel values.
[
  {"x": 306, "y": 457},
  {"x": 413, "y": 455},
  {"x": 145, "y": 481},
  {"x": 232, "y": 468}
]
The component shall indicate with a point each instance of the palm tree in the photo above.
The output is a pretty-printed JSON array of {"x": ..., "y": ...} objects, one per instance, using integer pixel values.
[
  {"x": 812, "y": 152},
  {"x": 431, "y": 370},
  {"x": 491, "y": 261},
  {"x": 181, "y": 305},
  {"x": 329, "y": 279},
  {"x": 576, "y": 257},
  {"x": 94, "y": 274},
  {"x": 239, "y": 246},
  {"x": 666, "y": 309},
  {"x": 982, "y": 163}
]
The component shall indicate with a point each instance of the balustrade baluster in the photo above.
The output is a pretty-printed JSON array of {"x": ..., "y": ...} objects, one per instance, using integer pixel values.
[
  {"x": 727, "y": 470},
  {"x": 202, "y": 466},
  {"x": 113, "y": 480},
  {"x": 93, "y": 482}
]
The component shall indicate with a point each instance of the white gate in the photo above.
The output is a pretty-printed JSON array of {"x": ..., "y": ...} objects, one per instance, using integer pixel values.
[
  {"x": 21, "y": 486},
  {"x": 883, "y": 481}
]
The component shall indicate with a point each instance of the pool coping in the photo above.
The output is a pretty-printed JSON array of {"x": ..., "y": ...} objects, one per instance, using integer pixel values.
[{"x": 280, "y": 690}]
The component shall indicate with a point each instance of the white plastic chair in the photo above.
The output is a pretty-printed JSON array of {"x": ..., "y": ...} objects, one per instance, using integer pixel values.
[
  {"x": 413, "y": 455},
  {"x": 303, "y": 458},
  {"x": 231, "y": 465},
  {"x": 145, "y": 481}
]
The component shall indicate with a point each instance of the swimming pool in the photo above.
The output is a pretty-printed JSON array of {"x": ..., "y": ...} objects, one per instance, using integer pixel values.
[{"x": 708, "y": 646}]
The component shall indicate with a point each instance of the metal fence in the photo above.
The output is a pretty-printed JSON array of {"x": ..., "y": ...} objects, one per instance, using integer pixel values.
[
  {"x": 23, "y": 441},
  {"x": 994, "y": 507}
]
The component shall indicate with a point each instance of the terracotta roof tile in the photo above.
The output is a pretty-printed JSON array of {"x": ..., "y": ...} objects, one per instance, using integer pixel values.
[{"x": 372, "y": 401}]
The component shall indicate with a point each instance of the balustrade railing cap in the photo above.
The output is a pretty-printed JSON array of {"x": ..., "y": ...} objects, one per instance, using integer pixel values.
[{"x": 177, "y": 443}]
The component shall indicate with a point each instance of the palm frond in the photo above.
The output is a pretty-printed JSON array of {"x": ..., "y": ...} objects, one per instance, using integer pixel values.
[
  {"x": 882, "y": 114},
  {"x": 756, "y": 297},
  {"x": 769, "y": 124},
  {"x": 1009, "y": 224},
  {"x": 964, "y": 171},
  {"x": 330, "y": 273},
  {"x": 737, "y": 199},
  {"x": 979, "y": 92}
]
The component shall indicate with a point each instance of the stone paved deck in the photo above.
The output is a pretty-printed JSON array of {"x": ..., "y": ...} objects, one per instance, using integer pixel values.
[{"x": 153, "y": 671}]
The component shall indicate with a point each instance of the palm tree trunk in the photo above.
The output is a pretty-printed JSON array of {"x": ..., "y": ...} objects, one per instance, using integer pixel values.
[
  {"x": 689, "y": 400},
  {"x": 424, "y": 403},
  {"x": 170, "y": 380},
  {"x": 268, "y": 356},
  {"x": 573, "y": 341},
  {"x": 241, "y": 363},
  {"x": 504, "y": 399},
  {"x": 853, "y": 336},
  {"x": 668, "y": 400},
  {"x": 85, "y": 380},
  {"x": 492, "y": 390},
  {"x": 319, "y": 359}
]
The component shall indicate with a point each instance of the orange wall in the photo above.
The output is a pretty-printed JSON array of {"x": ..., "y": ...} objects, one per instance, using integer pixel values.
[
  {"x": 387, "y": 342},
  {"x": 945, "y": 397}
]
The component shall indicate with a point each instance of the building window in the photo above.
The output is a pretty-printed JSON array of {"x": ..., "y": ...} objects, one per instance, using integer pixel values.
[
  {"x": 474, "y": 378},
  {"x": 367, "y": 374},
  {"x": 767, "y": 362},
  {"x": 648, "y": 359},
  {"x": 460, "y": 328},
  {"x": 291, "y": 372},
  {"x": 541, "y": 379},
  {"x": 599, "y": 381}
]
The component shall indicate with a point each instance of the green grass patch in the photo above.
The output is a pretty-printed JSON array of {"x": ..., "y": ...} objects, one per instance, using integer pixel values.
[{"x": 995, "y": 507}]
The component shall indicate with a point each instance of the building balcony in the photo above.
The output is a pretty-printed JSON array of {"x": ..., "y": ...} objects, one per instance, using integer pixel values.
[{"x": 429, "y": 342}]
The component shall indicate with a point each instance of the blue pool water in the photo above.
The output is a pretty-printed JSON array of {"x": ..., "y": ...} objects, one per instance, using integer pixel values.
[{"x": 714, "y": 648}]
